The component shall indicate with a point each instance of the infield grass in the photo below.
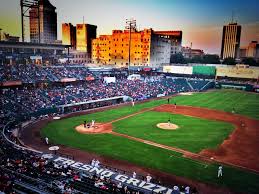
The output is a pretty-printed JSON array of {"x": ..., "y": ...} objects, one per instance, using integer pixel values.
[
  {"x": 193, "y": 134},
  {"x": 62, "y": 132}
]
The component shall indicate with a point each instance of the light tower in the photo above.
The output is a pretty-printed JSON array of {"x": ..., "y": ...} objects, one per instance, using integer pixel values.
[
  {"x": 26, "y": 5},
  {"x": 130, "y": 25}
]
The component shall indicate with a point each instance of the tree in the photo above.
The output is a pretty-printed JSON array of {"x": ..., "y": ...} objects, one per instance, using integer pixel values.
[
  {"x": 177, "y": 58},
  {"x": 211, "y": 59},
  {"x": 229, "y": 61},
  {"x": 249, "y": 61}
]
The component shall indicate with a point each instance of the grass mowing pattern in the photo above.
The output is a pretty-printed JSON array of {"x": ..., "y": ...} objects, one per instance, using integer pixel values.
[
  {"x": 193, "y": 135},
  {"x": 244, "y": 103},
  {"x": 62, "y": 132}
]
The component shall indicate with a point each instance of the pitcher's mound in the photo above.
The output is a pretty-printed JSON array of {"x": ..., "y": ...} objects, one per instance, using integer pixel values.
[
  {"x": 97, "y": 128},
  {"x": 167, "y": 126}
]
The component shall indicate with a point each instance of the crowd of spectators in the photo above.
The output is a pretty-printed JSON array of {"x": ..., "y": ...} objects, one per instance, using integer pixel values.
[
  {"x": 31, "y": 73},
  {"x": 29, "y": 100}
]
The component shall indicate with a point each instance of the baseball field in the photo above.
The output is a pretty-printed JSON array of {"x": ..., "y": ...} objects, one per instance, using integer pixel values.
[{"x": 206, "y": 128}]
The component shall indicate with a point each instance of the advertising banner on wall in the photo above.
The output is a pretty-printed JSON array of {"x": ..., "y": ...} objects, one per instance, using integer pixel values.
[
  {"x": 68, "y": 80},
  {"x": 178, "y": 69},
  {"x": 250, "y": 73},
  {"x": 12, "y": 83}
]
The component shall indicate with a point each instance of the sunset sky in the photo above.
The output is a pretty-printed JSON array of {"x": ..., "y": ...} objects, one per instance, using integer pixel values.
[{"x": 201, "y": 21}]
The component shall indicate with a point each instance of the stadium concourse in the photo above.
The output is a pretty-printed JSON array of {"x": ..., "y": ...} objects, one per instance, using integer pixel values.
[{"x": 30, "y": 92}]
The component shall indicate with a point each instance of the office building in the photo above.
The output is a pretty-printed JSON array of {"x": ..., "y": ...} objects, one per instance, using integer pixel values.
[
  {"x": 190, "y": 53},
  {"x": 175, "y": 37},
  {"x": 69, "y": 35},
  {"x": 85, "y": 33},
  {"x": 230, "y": 41},
  {"x": 253, "y": 50},
  {"x": 48, "y": 23}
]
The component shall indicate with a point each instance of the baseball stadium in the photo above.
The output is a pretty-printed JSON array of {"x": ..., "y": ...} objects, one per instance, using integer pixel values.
[{"x": 175, "y": 129}]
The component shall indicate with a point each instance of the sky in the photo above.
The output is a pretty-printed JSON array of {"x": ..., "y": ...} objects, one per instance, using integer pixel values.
[{"x": 200, "y": 20}]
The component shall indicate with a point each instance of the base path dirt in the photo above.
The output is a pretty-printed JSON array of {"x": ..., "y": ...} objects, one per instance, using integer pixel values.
[{"x": 97, "y": 128}]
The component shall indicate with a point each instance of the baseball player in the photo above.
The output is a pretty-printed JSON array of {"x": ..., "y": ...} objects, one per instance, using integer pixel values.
[
  {"x": 175, "y": 105},
  {"x": 169, "y": 122},
  {"x": 134, "y": 175},
  {"x": 47, "y": 140},
  {"x": 148, "y": 177},
  {"x": 84, "y": 124},
  {"x": 93, "y": 122},
  {"x": 220, "y": 169}
]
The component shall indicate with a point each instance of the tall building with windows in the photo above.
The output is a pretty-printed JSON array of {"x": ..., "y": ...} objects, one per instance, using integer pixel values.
[
  {"x": 230, "y": 41},
  {"x": 69, "y": 35},
  {"x": 146, "y": 48},
  {"x": 85, "y": 33},
  {"x": 253, "y": 50},
  {"x": 48, "y": 23},
  {"x": 175, "y": 37}
]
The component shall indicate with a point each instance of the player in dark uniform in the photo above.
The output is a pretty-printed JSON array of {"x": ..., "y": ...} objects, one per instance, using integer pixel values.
[
  {"x": 84, "y": 124},
  {"x": 168, "y": 100}
]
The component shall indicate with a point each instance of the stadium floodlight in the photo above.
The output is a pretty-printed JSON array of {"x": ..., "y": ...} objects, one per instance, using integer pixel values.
[{"x": 131, "y": 26}]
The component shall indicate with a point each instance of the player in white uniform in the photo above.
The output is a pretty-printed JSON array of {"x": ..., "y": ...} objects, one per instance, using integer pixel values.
[
  {"x": 148, "y": 177},
  {"x": 220, "y": 169},
  {"x": 47, "y": 140},
  {"x": 93, "y": 122}
]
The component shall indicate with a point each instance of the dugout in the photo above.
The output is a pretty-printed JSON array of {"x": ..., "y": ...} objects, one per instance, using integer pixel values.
[{"x": 90, "y": 104}]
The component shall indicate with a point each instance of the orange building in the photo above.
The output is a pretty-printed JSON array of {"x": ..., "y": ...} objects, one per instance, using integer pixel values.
[
  {"x": 146, "y": 48},
  {"x": 69, "y": 35}
]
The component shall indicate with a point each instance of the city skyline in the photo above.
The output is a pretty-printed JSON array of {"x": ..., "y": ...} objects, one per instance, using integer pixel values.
[{"x": 201, "y": 21}]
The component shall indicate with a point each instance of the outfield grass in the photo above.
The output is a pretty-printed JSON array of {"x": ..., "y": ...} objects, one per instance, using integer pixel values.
[
  {"x": 62, "y": 132},
  {"x": 244, "y": 103}
]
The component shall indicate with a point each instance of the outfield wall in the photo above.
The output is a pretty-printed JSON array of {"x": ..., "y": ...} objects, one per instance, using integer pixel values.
[
  {"x": 204, "y": 70},
  {"x": 191, "y": 70},
  {"x": 236, "y": 72},
  {"x": 178, "y": 69}
]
